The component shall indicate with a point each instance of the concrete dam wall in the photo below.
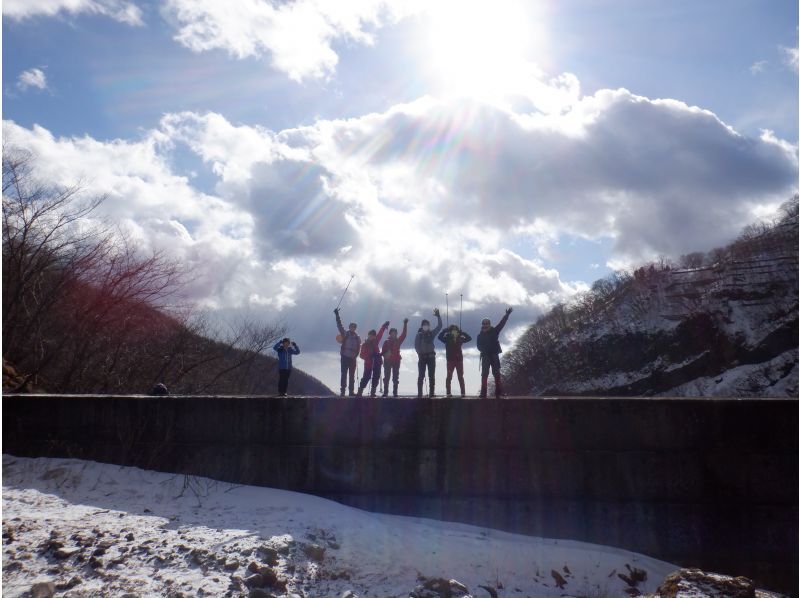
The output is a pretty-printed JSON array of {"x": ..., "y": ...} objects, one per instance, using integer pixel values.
[{"x": 711, "y": 483}]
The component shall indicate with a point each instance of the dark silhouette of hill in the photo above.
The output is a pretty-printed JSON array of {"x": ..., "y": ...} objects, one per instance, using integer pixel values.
[{"x": 722, "y": 323}]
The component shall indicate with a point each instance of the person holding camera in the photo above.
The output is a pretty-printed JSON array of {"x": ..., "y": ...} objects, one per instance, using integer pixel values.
[
  {"x": 426, "y": 352},
  {"x": 371, "y": 354},
  {"x": 489, "y": 347},
  {"x": 351, "y": 345},
  {"x": 391, "y": 358},
  {"x": 453, "y": 338},
  {"x": 285, "y": 349}
]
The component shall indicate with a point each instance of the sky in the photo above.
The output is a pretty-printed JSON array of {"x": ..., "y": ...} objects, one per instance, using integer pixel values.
[{"x": 506, "y": 153}]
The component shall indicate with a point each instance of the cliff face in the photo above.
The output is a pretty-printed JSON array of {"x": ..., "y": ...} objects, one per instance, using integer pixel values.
[{"x": 727, "y": 329}]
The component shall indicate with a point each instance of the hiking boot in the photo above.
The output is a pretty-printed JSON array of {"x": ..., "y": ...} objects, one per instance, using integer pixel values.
[
  {"x": 448, "y": 395},
  {"x": 341, "y": 393}
]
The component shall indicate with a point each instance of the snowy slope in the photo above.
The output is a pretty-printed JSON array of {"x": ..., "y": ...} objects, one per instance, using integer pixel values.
[
  {"x": 108, "y": 530},
  {"x": 728, "y": 328}
]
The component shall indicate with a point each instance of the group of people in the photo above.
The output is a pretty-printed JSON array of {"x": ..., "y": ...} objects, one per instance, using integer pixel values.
[{"x": 387, "y": 356}]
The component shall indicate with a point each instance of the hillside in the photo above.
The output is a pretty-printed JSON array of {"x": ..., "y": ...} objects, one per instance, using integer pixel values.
[{"x": 723, "y": 324}]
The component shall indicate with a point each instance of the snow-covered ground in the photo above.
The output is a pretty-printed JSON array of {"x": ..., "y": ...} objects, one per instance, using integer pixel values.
[{"x": 102, "y": 530}]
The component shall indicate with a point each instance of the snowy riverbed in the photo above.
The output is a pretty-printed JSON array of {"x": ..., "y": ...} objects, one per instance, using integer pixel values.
[{"x": 103, "y": 530}]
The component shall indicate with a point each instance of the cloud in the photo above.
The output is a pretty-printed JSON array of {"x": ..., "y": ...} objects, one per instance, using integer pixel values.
[
  {"x": 427, "y": 198},
  {"x": 119, "y": 10},
  {"x": 790, "y": 56},
  {"x": 155, "y": 207},
  {"x": 32, "y": 78},
  {"x": 298, "y": 36},
  {"x": 758, "y": 67}
]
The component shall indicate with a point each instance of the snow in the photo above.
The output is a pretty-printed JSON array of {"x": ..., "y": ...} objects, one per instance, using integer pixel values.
[
  {"x": 777, "y": 377},
  {"x": 118, "y": 530}
]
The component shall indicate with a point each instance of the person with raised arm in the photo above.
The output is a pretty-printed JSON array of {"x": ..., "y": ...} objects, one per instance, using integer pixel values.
[
  {"x": 489, "y": 347},
  {"x": 351, "y": 345},
  {"x": 391, "y": 358},
  {"x": 453, "y": 338},
  {"x": 285, "y": 348},
  {"x": 371, "y": 354}
]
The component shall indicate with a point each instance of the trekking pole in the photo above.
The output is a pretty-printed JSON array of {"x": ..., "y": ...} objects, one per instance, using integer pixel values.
[
  {"x": 447, "y": 309},
  {"x": 460, "y": 309},
  {"x": 352, "y": 276}
]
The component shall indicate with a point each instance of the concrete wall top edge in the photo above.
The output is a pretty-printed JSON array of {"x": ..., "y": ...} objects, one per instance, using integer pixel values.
[{"x": 402, "y": 400}]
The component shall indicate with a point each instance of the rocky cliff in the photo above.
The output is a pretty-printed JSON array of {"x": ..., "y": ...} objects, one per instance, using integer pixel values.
[{"x": 727, "y": 327}]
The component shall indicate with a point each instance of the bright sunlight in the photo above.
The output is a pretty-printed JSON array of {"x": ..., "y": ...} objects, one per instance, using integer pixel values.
[{"x": 482, "y": 49}]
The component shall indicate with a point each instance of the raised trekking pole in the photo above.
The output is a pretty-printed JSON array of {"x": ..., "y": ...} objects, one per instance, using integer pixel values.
[
  {"x": 447, "y": 309},
  {"x": 460, "y": 309},
  {"x": 352, "y": 276}
]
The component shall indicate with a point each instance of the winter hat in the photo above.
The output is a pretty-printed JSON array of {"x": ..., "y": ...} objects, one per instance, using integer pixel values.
[
  {"x": 372, "y": 333},
  {"x": 425, "y": 322},
  {"x": 486, "y": 321}
]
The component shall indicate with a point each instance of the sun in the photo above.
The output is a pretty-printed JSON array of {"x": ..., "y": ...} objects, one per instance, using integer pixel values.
[{"x": 481, "y": 49}]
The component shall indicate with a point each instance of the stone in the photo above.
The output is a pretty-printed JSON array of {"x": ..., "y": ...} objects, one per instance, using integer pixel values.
[
  {"x": 270, "y": 555},
  {"x": 254, "y": 581},
  {"x": 74, "y": 581},
  {"x": 44, "y": 589},
  {"x": 560, "y": 581},
  {"x": 438, "y": 587},
  {"x": 315, "y": 552},
  {"x": 65, "y": 553},
  {"x": 686, "y": 583},
  {"x": 259, "y": 593}
]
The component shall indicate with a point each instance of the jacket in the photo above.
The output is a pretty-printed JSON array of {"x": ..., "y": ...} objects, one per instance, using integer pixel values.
[
  {"x": 489, "y": 341},
  {"x": 453, "y": 345},
  {"x": 423, "y": 342},
  {"x": 391, "y": 348},
  {"x": 370, "y": 349},
  {"x": 351, "y": 342},
  {"x": 285, "y": 355}
]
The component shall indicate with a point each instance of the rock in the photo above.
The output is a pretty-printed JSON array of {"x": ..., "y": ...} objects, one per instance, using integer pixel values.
[
  {"x": 231, "y": 565},
  {"x": 315, "y": 552},
  {"x": 129, "y": 537},
  {"x": 491, "y": 590},
  {"x": 75, "y": 581},
  {"x": 438, "y": 587},
  {"x": 348, "y": 594},
  {"x": 44, "y": 589},
  {"x": 254, "y": 581},
  {"x": 65, "y": 553},
  {"x": 270, "y": 555},
  {"x": 260, "y": 593},
  {"x": 694, "y": 582},
  {"x": 560, "y": 581}
]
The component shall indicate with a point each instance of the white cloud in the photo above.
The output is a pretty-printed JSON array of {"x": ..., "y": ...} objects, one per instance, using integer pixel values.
[
  {"x": 790, "y": 56},
  {"x": 298, "y": 35},
  {"x": 758, "y": 67},
  {"x": 32, "y": 78},
  {"x": 430, "y": 197},
  {"x": 119, "y": 10}
]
